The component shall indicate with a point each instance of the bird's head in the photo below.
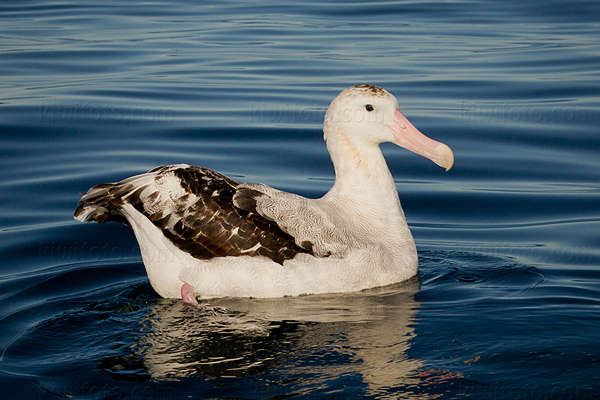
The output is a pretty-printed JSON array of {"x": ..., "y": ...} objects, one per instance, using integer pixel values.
[{"x": 367, "y": 115}]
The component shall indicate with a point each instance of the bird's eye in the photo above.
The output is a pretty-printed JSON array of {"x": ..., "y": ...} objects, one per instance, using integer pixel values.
[{"x": 369, "y": 107}]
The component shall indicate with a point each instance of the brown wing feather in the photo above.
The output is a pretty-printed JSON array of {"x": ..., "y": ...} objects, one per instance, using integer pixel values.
[{"x": 203, "y": 221}]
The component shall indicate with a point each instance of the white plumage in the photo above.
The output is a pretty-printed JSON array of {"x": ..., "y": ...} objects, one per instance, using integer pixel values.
[{"x": 204, "y": 235}]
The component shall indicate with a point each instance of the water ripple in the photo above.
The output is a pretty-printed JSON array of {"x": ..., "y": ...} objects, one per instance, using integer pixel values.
[{"x": 506, "y": 303}]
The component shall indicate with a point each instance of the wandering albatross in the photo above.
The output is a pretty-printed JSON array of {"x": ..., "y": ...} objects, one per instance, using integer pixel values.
[{"x": 203, "y": 235}]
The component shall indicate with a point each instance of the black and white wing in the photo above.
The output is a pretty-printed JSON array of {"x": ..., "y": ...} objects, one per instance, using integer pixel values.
[{"x": 194, "y": 207}]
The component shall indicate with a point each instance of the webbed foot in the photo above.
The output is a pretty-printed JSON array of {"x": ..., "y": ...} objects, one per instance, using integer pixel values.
[{"x": 189, "y": 297}]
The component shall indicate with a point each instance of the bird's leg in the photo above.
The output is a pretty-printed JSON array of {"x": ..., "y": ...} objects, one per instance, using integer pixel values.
[{"x": 189, "y": 297}]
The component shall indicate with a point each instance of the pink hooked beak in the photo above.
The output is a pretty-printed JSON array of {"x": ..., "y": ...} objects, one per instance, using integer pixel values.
[{"x": 409, "y": 137}]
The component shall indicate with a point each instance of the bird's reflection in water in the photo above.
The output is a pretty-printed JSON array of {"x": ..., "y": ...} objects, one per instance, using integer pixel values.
[{"x": 364, "y": 335}]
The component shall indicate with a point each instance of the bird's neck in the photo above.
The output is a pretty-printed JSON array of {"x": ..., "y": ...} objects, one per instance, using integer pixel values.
[
  {"x": 365, "y": 201},
  {"x": 363, "y": 181}
]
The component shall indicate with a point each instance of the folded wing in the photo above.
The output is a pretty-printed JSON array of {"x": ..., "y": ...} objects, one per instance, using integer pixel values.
[{"x": 195, "y": 209}]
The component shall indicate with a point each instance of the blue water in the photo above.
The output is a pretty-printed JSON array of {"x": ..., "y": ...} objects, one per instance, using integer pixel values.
[{"x": 507, "y": 302}]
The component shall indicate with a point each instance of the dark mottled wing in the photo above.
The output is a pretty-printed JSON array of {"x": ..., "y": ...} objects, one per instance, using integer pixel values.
[{"x": 194, "y": 208}]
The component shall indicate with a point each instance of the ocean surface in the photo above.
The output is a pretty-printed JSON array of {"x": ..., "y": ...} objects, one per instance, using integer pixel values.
[{"x": 507, "y": 301}]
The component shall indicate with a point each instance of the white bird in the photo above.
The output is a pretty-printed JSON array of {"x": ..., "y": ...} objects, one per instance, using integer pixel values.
[{"x": 203, "y": 235}]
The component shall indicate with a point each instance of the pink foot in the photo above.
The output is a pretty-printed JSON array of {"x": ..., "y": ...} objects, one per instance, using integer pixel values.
[{"x": 187, "y": 295}]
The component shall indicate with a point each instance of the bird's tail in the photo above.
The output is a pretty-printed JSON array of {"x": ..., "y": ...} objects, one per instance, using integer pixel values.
[
  {"x": 96, "y": 205},
  {"x": 102, "y": 202}
]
